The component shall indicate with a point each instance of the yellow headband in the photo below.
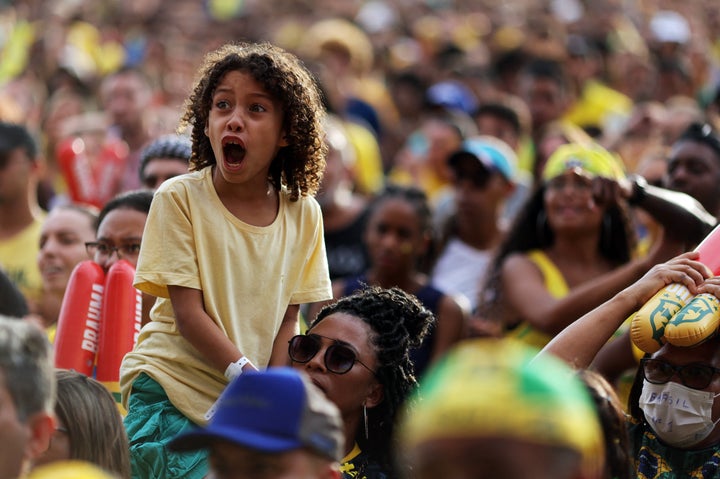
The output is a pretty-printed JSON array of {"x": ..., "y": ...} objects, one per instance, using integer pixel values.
[{"x": 592, "y": 160}]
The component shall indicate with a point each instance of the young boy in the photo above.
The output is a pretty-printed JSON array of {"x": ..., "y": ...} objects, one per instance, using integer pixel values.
[{"x": 230, "y": 250}]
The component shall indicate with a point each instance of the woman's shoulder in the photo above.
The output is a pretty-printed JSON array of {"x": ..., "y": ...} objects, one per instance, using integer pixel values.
[
  {"x": 522, "y": 260},
  {"x": 518, "y": 268}
]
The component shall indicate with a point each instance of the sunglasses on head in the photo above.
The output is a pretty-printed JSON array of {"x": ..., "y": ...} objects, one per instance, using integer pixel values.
[
  {"x": 694, "y": 376},
  {"x": 339, "y": 358}
]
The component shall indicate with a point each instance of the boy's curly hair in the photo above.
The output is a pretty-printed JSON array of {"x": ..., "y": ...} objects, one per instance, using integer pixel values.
[
  {"x": 399, "y": 322},
  {"x": 298, "y": 166}
]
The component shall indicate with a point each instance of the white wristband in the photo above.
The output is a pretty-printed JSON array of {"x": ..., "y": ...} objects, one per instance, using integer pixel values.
[{"x": 236, "y": 369}]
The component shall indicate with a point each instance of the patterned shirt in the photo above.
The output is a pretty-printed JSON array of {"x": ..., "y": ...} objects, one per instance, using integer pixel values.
[
  {"x": 655, "y": 460},
  {"x": 358, "y": 465}
]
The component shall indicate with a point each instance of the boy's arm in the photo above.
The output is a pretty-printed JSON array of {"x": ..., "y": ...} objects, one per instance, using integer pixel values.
[
  {"x": 288, "y": 329},
  {"x": 195, "y": 325}
]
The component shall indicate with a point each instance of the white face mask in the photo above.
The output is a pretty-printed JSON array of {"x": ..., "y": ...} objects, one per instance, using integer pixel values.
[{"x": 679, "y": 415}]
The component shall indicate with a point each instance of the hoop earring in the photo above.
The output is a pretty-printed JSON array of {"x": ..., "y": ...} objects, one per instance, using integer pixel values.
[{"x": 365, "y": 419}]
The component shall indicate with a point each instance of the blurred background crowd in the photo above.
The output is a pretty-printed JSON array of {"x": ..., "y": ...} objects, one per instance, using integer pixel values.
[
  {"x": 632, "y": 69},
  {"x": 446, "y": 174}
]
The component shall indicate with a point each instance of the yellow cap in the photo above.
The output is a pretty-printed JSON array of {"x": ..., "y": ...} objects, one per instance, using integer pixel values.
[
  {"x": 499, "y": 388},
  {"x": 69, "y": 470}
]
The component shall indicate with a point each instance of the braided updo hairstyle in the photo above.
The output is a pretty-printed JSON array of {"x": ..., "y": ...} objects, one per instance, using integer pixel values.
[{"x": 399, "y": 322}]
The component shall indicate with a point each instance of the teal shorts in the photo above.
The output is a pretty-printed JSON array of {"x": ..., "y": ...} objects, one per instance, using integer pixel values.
[{"x": 151, "y": 423}]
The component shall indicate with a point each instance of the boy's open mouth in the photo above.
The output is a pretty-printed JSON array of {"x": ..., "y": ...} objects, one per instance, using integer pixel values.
[{"x": 234, "y": 152}]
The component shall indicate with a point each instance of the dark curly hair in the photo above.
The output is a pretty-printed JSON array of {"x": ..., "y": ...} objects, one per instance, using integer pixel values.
[
  {"x": 298, "y": 166},
  {"x": 399, "y": 322}
]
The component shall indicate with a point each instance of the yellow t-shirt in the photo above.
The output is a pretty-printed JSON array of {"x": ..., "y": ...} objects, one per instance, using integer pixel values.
[
  {"x": 368, "y": 169},
  {"x": 18, "y": 257},
  {"x": 556, "y": 286},
  {"x": 249, "y": 275},
  {"x": 598, "y": 105}
]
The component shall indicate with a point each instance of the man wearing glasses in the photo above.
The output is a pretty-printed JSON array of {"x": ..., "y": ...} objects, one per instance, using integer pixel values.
[
  {"x": 120, "y": 228},
  {"x": 674, "y": 406}
]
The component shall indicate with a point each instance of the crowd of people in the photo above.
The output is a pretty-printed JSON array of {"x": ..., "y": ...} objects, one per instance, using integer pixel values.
[{"x": 368, "y": 239}]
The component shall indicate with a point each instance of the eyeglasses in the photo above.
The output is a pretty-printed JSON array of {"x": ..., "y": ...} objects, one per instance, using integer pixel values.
[
  {"x": 695, "y": 376},
  {"x": 339, "y": 358},
  {"x": 104, "y": 250}
]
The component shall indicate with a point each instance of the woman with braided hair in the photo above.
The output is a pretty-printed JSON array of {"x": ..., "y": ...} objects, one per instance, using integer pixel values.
[{"x": 357, "y": 352}]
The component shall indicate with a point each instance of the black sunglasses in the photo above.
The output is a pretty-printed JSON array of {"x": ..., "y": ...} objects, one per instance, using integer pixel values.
[
  {"x": 339, "y": 358},
  {"x": 695, "y": 376}
]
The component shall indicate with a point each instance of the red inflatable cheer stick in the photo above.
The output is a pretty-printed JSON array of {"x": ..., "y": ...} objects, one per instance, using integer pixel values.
[
  {"x": 655, "y": 323},
  {"x": 698, "y": 320},
  {"x": 121, "y": 321},
  {"x": 92, "y": 177},
  {"x": 78, "y": 330}
]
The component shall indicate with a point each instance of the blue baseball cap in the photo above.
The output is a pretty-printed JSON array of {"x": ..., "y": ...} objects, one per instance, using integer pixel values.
[
  {"x": 493, "y": 154},
  {"x": 273, "y": 411}
]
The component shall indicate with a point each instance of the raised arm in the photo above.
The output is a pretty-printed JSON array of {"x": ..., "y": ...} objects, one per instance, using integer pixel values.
[
  {"x": 682, "y": 216},
  {"x": 580, "y": 341}
]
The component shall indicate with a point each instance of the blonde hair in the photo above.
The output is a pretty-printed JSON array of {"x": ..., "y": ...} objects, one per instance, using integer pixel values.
[{"x": 93, "y": 422}]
